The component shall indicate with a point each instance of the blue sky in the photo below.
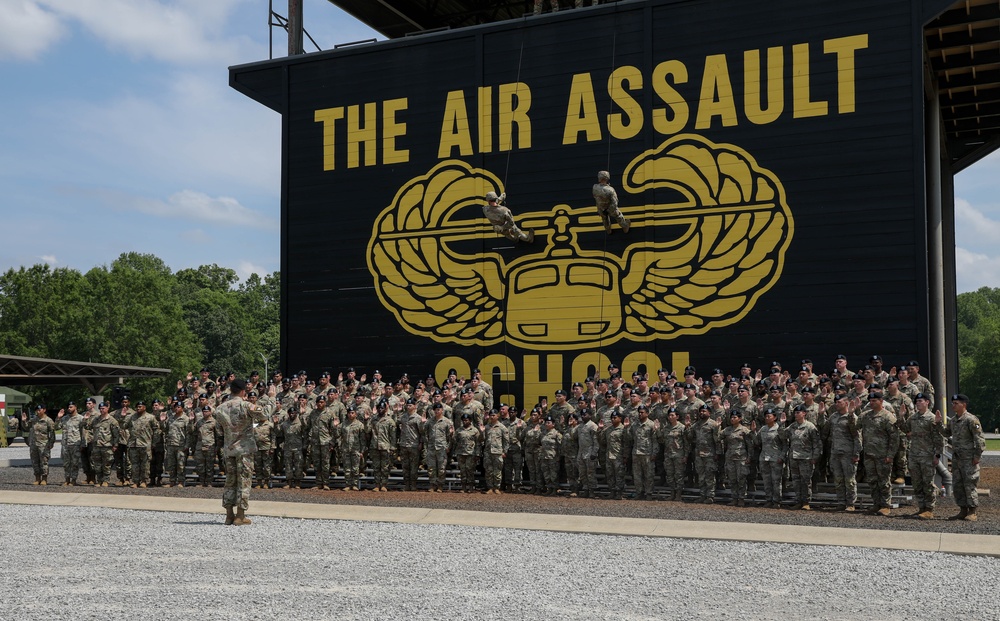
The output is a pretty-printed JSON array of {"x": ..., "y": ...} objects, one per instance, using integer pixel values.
[{"x": 120, "y": 133}]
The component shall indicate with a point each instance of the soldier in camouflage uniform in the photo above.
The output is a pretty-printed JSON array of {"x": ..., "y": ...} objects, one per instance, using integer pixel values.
[
  {"x": 438, "y": 433},
  {"x": 503, "y": 220},
  {"x": 71, "y": 422},
  {"x": 86, "y": 440},
  {"x": 588, "y": 448},
  {"x": 842, "y": 433},
  {"x": 560, "y": 410},
  {"x": 123, "y": 465},
  {"x": 383, "y": 443},
  {"x": 293, "y": 434},
  {"x": 570, "y": 449},
  {"x": 532, "y": 442},
  {"x": 178, "y": 431},
  {"x": 769, "y": 442},
  {"x": 922, "y": 383},
  {"x": 615, "y": 446},
  {"x": 551, "y": 444},
  {"x": 203, "y": 446},
  {"x": 410, "y": 424},
  {"x": 673, "y": 435},
  {"x": 881, "y": 440},
  {"x": 606, "y": 200},
  {"x": 237, "y": 417},
  {"x": 496, "y": 444},
  {"x": 41, "y": 431},
  {"x": 264, "y": 434},
  {"x": 352, "y": 444},
  {"x": 141, "y": 427},
  {"x": 968, "y": 444},
  {"x": 805, "y": 446},
  {"x": 466, "y": 449},
  {"x": 513, "y": 464},
  {"x": 470, "y": 406},
  {"x": 643, "y": 441},
  {"x": 737, "y": 446},
  {"x": 104, "y": 432},
  {"x": 705, "y": 438},
  {"x": 902, "y": 407},
  {"x": 321, "y": 431},
  {"x": 926, "y": 446}
]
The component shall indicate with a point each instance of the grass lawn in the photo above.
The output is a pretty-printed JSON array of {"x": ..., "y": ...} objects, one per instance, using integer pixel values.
[{"x": 993, "y": 445}]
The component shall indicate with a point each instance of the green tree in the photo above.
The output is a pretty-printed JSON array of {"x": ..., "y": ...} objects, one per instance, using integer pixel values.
[{"x": 979, "y": 352}]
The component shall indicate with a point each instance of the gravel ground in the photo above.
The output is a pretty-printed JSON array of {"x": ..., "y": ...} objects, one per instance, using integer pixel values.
[
  {"x": 988, "y": 524},
  {"x": 90, "y": 563}
]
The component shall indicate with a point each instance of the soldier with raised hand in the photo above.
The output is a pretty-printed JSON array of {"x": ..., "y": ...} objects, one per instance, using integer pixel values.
[
  {"x": 71, "y": 422},
  {"x": 881, "y": 439},
  {"x": 320, "y": 429},
  {"x": 470, "y": 406},
  {"x": 705, "y": 437},
  {"x": 902, "y": 406},
  {"x": 438, "y": 433},
  {"x": 560, "y": 410},
  {"x": 805, "y": 446},
  {"x": 968, "y": 444},
  {"x": 738, "y": 447},
  {"x": 643, "y": 441},
  {"x": 532, "y": 442},
  {"x": 673, "y": 435},
  {"x": 615, "y": 447},
  {"x": 606, "y": 200},
  {"x": 551, "y": 444},
  {"x": 123, "y": 464},
  {"x": 569, "y": 451},
  {"x": 41, "y": 431},
  {"x": 294, "y": 435},
  {"x": 176, "y": 440},
  {"x": 842, "y": 433},
  {"x": 588, "y": 448},
  {"x": 503, "y": 220},
  {"x": 141, "y": 427},
  {"x": 264, "y": 433},
  {"x": 383, "y": 443},
  {"x": 769, "y": 441},
  {"x": 926, "y": 439},
  {"x": 923, "y": 384},
  {"x": 352, "y": 445},
  {"x": 496, "y": 444},
  {"x": 410, "y": 424},
  {"x": 203, "y": 442},
  {"x": 237, "y": 417},
  {"x": 468, "y": 439},
  {"x": 104, "y": 430},
  {"x": 89, "y": 413}
]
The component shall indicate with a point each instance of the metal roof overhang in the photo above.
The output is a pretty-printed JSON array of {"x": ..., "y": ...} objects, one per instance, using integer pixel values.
[
  {"x": 398, "y": 18},
  {"x": 22, "y": 371}
]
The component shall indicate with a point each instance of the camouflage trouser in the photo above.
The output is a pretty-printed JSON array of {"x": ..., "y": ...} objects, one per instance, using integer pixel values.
[
  {"x": 705, "y": 468},
  {"x": 71, "y": 462},
  {"x": 493, "y": 467},
  {"x": 123, "y": 465},
  {"x": 85, "y": 463},
  {"x": 673, "y": 470},
  {"x": 736, "y": 474},
  {"x": 802, "y": 471},
  {"x": 262, "y": 467},
  {"x": 101, "y": 460},
  {"x": 156, "y": 464},
  {"x": 772, "y": 472},
  {"x": 588, "y": 473},
  {"x": 877, "y": 474},
  {"x": 642, "y": 474},
  {"x": 411, "y": 464},
  {"x": 140, "y": 455},
  {"x": 321, "y": 462},
  {"x": 381, "y": 463},
  {"x": 175, "y": 458},
  {"x": 534, "y": 460},
  {"x": 40, "y": 460},
  {"x": 513, "y": 467},
  {"x": 204, "y": 464},
  {"x": 899, "y": 464},
  {"x": 352, "y": 468},
  {"x": 612, "y": 213},
  {"x": 966, "y": 478},
  {"x": 293, "y": 465},
  {"x": 550, "y": 474},
  {"x": 845, "y": 481},
  {"x": 572, "y": 474},
  {"x": 467, "y": 469},
  {"x": 922, "y": 472},
  {"x": 239, "y": 478},
  {"x": 616, "y": 474},
  {"x": 437, "y": 461}
]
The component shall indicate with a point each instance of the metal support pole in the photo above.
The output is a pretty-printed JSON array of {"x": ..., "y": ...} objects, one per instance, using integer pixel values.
[
  {"x": 935, "y": 255},
  {"x": 295, "y": 27}
]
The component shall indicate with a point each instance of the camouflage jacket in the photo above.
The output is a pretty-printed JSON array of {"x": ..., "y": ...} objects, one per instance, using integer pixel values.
[
  {"x": 674, "y": 438},
  {"x": 383, "y": 434},
  {"x": 926, "y": 437},
  {"x": 879, "y": 434},
  {"x": 967, "y": 439},
  {"x": 804, "y": 441},
  {"x": 237, "y": 417},
  {"x": 72, "y": 427},
  {"x": 551, "y": 442},
  {"x": 705, "y": 436},
  {"x": 140, "y": 428},
  {"x": 467, "y": 440},
  {"x": 41, "y": 431},
  {"x": 737, "y": 443},
  {"x": 104, "y": 431},
  {"x": 643, "y": 437},
  {"x": 497, "y": 439}
]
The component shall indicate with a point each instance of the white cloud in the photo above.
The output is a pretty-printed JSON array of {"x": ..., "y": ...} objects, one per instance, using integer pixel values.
[
  {"x": 244, "y": 268},
  {"x": 26, "y": 29},
  {"x": 196, "y": 236},
  {"x": 181, "y": 31},
  {"x": 982, "y": 230},
  {"x": 976, "y": 270},
  {"x": 49, "y": 258},
  {"x": 187, "y": 205}
]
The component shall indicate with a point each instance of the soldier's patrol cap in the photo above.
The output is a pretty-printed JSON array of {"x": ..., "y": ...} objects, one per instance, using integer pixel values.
[
  {"x": 745, "y": 378},
  {"x": 319, "y": 398},
  {"x": 673, "y": 410},
  {"x": 467, "y": 390},
  {"x": 491, "y": 196},
  {"x": 800, "y": 408},
  {"x": 654, "y": 389},
  {"x": 825, "y": 380},
  {"x": 835, "y": 372},
  {"x": 71, "y": 403},
  {"x": 584, "y": 412},
  {"x": 875, "y": 394},
  {"x": 155, "y": 401},
  {"x": 39, "y": 407},
  {"x": 351, "y": 408},
  {"x": 663, "y": 370},
  {"x": 211, "y": 384},
  {"x": 959, "y": 397},
  {"x": 411, "y": 401},
  {"x": 626, "y": 385},
  {"x": 875, "y": 358},
  {"x": 177, "y": 404},
  {"x": 205, "y": 370},
  {"x": 452, "y": 372},
  {"x": 745, "y": 365},
  {"x": 892, "y": 380},
  {"x": 549, "y": 419},
  {"x": 840, "y": 357},
  {"x": 716, "y": 393},
  {"x": 735, "y": 414},
  {"x": 743, "y": 388},
  {"x": 561, "y": 392},
  {"x": 717, "y": 371},
  {"x": 284, "y": 380},
  {"x": 636, "y": 375},
  {"x": 237, "y": 385},
  {"x": 125, "y": 398},
  {"x": 839, "y": 397},
  {"x": 206, "y": 408},
  {"x": 437, "y": 406},
  {"x": 589, "y": 379},
  {"x": 436, "y": 392},
  {"x": 493, "y": 412},
  {"x": 921, "y": 395},
  {"x": 575, "y": 416},
  {"x": 616, "y": 376},
  {"x": 689, "y": 370},
  {"x": 615, "y": 413},
  {"x": 867, "y": 367},
  {"x": 466, "y": 417}
]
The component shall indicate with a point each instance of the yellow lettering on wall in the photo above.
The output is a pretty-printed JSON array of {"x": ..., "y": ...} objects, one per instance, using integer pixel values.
[
  {"x": 515, "y": 100},
  {"x": 802, "y": 106},
  {"x": 534, "y": 386},
  {"x": 391, "y": 130},
  {"x": 716, "y": 94},
  {"x": 328, "y": 118},
  {"x": 844, "y": 48},
  {"x": 485, "y": 119},
  {"x": 581, "y": 112},
  {"x": 668, "y": 95},
  {"x": 753, "y": 100},
  {"x": 632, "y": 361},
  {"x": 455, "y": 127},
  {"x": 359, "y": 133},
  {"x": 584, "y": 362},
  {"x": 501, "y": 368},
  {"x": 679, "y": 360},
  {"x": 620, "y": 82}
]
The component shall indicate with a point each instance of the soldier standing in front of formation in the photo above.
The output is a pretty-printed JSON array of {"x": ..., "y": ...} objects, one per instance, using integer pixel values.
[
  {"x": 71, "y": 422},
  {"x": 843, "y": 434},
  {"x": 497, "y": 441},
  {"x": 293, "y": 435},
  {"x": 881, "y": 439},
  {"x": 770, "y": 443},
  {"x": 614, "y": 445},
  {"x": 123, "y": 465},
  {"x": 41, "y": 438},
  {"x": 737, "y": 446},
  {"x": 551, "y": 443},
  {"x": 643, "y": 453},
  {"x": 87, "y": 439},
  {"x": 532, "y": 442},
  {"x": 409, "y": 446},
  {"x": 705, "y": 438},
  {"x": 968, "y": 444},
  {"x": 237, "y": 417},
  {"x": 503, "y": 220},
  {"x": 203, "y": 446},
  {"x": 607, "y": 203},
  {"x": 673, "y": 435},
  {"x": 140, "y": 427},
  {"x": 321, "y": 432},
  {"x": 926, "y": 446},
  {"x": 178, "y": 430},
  {"x": 104, "y": 430},
  {"x": 588, "y": 447},
  {"x": 804, "y": 449},
  {"x": 352, "y": 444},
  {"x": 383, "y": 442},
  {"x": 467, "y": 442},
  {"x": 438, "y": 433}
]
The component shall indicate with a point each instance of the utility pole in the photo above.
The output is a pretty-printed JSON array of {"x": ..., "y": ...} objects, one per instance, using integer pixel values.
[{"x": 295, "y": 27}]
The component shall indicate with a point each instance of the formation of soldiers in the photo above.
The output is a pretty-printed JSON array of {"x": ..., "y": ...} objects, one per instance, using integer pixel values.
[{"x": 792, "y": 431}]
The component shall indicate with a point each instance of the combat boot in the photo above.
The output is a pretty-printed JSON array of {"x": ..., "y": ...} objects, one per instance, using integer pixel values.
[
  {"x": 626, "y": 225},
  {"x": 741, "y": 503},
  {"x": 926, "y": 514},
  {"x": 970, "y": 515},
  {"x": 241, "y": 518},
  {"x": 45, "y": 479},
  {"x": 962, "y": 513},
  {"x": 607, "y": 224},
  {"x": 230, "y": 518},
  {"x": 806, "y": 507},
  {"x": 529, "y": 236},
  {"x": 677, "y": 496},
  {"x": 38, "y": 479},
  {"x": 884, "y": 512}
]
